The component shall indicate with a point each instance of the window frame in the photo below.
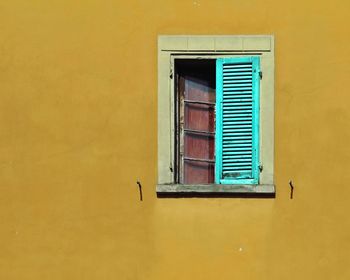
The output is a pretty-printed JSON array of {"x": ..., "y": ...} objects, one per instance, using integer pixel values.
[{"x": 171, "y": 47}]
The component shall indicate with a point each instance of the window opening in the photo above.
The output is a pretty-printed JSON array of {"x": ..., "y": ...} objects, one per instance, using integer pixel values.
[{"x": 195, "y": 97}]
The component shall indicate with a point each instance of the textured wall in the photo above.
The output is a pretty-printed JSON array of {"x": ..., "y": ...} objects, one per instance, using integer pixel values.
[{"x": 78, "y": 87}]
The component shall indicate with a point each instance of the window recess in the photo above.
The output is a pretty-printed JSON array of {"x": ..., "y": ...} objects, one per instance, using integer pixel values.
[{"x": 217, "y": 120}]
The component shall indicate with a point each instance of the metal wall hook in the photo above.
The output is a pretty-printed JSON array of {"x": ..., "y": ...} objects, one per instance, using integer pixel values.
[
  {"x": 140, "y": 189},
  {"x": 291, "y": 189}
]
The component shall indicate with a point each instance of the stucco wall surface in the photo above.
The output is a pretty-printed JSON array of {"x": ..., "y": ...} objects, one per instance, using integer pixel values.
[{"x": 78, "y": 128}]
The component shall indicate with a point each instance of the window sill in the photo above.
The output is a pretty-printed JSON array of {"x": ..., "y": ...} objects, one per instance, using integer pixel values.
[{"x": 171, "y": 190}]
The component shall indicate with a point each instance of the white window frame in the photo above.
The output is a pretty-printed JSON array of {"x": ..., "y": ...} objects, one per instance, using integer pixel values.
[{"x": 171, "y": 47}]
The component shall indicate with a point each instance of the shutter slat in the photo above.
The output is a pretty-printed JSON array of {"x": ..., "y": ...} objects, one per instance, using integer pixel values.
[
  {"x": 238, "y": 126},
  {"x": 235, "y": 75},
  {"x": 243, "y": 155},
  {"x": 239, "y": 71},
  {"x": 238, "y": 118},
  {"x": 236, "y": 88},
  {"x": 239, "y": 78},
  {"x": 235, "y": 94},
  {"x": 238, "y": 149},
  {"x": 230, "y": 168},
  {"x": 233, "y": 144},
  {"x": 238, "y": 137},
  {"x": 238, "y": 65},
  {"x": 234, "y": 148},
  {"x": 238, "y": 162}
]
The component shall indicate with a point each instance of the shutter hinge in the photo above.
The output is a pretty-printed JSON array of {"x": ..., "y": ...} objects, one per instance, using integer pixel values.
[
  {"x": 171, "y": 73},
  {"x": 260, "y": 74},
  {"x": 261, "y": 168}
]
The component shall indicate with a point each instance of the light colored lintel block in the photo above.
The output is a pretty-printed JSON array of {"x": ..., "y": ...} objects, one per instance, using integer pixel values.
[
  {"x": 257, "y": 43},
  {"x": 231, "y": 43},
  {"x": 172, "y": 42},
  {"x": 199, "y": 43}
]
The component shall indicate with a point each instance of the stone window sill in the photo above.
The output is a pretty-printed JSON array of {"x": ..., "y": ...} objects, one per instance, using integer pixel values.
[{"x": 177, "y": 190}]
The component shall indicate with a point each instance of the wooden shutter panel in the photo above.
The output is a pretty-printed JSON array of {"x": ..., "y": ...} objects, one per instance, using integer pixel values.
[{"x": 237, "y": 120}]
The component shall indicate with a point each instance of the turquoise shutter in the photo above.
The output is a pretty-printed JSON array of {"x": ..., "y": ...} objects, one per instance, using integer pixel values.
[{"x": 237, "y": 120}]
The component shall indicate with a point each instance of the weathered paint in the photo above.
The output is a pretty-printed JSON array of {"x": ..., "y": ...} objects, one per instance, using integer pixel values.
[{"x": 77, "y": 132}]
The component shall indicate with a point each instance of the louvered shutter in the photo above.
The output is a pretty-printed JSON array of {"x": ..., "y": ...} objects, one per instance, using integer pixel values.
[{"x": 237, "y": 120}]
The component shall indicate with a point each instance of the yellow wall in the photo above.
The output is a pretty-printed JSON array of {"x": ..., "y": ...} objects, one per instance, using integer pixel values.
[{"x": 78, "y": 99}]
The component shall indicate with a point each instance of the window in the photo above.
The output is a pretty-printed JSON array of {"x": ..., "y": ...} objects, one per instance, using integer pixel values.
[{"x": 215, "y": 114}]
